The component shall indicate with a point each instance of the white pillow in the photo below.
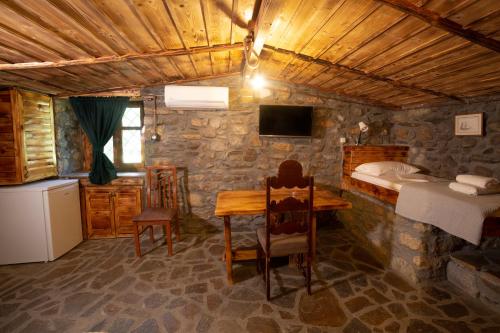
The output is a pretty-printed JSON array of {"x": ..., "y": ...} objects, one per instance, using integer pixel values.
[{"x": 379, "y": 168}]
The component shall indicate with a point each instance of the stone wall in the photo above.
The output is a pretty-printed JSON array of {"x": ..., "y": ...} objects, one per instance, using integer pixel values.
[
  {"x": 68, "y": 142},
  {"x": 221, "y": 149},
  {"x": 416, "y": 250},
  {"x": 430, "y": 134}
]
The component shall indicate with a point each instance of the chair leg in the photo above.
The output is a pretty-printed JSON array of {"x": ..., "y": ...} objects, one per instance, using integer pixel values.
[
  {"x": 169, "y": 239},
  {"x": 177, "y": 230},
  {"x": 136, "y": 240},
  {"x": 268, "y": 278},
  {"x": 308, "y": 278},
  {"x": 151, "y": 234}
]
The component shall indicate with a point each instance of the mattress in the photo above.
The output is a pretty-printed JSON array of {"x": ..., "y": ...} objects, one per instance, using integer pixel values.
[{"x": 393, "y": 181}]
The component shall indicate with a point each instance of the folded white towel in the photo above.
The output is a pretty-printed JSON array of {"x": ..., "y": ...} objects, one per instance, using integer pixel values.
[
  {"x": 478, "y": 181},
  {"x": 473, "y": 190}
]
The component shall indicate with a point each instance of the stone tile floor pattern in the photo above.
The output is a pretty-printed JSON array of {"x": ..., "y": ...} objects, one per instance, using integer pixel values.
[{"x": 100, "y": 286}]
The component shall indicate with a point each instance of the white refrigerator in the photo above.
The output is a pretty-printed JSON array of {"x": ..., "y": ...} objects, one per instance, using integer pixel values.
[{"x": 39, "y": 221}]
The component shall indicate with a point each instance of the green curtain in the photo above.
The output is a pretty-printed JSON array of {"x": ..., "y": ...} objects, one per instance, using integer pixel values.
[{"x": 99, "y": 118}]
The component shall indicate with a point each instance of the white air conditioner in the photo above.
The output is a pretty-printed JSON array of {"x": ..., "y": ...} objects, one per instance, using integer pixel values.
[{"x": 197, "y": 97}]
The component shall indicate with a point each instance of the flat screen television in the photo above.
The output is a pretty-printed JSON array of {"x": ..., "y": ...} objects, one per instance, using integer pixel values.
[{"x": 285, "y": 120}]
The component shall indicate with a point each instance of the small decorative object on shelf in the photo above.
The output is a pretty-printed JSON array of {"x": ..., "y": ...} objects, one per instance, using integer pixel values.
[{"x": 363, "y": 128}]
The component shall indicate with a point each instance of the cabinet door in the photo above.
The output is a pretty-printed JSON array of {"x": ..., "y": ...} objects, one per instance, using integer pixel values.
[
  {"x": 127, "y": 202},
  {"x": 100, "y": 217},
  {"x": 39, "y": 158}
]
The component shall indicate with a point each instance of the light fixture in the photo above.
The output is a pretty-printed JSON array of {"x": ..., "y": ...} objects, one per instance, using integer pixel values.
[
  {"x": 247, "y": 14},
  {"x": 257, "y": 82},
  {"x": 363, "y": 128}
]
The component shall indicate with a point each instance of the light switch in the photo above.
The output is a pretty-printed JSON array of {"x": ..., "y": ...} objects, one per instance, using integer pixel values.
[{"x": 342, "y": 140}]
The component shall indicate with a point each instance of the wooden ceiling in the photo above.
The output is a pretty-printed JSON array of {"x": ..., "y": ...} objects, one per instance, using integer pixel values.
[{"x": 391, "y": 52}]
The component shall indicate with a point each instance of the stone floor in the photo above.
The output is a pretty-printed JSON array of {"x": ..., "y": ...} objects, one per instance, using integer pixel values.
[{"x": 100, "y": 286}]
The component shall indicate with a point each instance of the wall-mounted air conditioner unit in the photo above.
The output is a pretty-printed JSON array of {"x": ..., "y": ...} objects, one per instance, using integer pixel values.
[{"x": 196, "y": 97}]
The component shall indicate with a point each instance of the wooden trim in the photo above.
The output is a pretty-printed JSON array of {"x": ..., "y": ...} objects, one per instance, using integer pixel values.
[
  {"x": 365, "y": 75},
  {"x": 100, "y": 91},
  {"x": 437, "y": 21},
  {"x": 115, "y": 58}
]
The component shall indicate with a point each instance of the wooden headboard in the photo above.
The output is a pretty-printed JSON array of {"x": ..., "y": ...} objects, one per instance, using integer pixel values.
[{"x": 356, "y": 155}]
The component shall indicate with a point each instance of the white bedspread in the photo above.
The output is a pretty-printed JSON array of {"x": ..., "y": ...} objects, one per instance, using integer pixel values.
[{"x": 434, "y": 203}]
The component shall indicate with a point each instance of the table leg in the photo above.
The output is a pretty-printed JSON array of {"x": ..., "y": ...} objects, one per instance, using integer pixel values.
[
  {"x": 229, "y": 253},
  {"x": 313, "y": 237}
]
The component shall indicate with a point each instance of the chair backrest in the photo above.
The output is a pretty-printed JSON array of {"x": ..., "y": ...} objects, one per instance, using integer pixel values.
[
  {"x": 161, "y": 186},
  {"x": 289, "y": 211}
]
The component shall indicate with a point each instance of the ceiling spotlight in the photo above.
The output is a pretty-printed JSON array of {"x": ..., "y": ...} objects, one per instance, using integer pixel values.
[{"x": 258, "y": 82}]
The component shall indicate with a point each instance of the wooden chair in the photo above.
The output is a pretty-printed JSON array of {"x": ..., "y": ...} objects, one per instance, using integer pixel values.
[
  {"x": 288, "y": 220},
  {"x": 161, "y": 206}
]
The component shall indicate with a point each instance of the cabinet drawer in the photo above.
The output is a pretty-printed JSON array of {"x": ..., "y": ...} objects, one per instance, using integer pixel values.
[{"x": 99, "y": 200}]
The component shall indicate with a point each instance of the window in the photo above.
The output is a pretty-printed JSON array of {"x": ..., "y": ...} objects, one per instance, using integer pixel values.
[{"x": 126, "y": 148}]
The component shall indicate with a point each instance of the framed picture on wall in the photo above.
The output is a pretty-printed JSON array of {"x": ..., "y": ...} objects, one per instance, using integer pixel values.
[{"x": 469, "y": 124}]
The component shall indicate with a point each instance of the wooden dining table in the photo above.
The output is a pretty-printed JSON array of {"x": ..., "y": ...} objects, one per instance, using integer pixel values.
[{"x": 253, "y": 202}]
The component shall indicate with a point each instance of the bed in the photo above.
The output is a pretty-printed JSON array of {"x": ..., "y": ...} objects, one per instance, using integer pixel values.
[{"x": 386, "y": 187}]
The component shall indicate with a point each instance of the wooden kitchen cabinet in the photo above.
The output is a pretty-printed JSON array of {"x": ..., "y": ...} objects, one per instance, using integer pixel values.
[
  {"x": 27, "y": 144},
  {"x": 109, "y": 208}
]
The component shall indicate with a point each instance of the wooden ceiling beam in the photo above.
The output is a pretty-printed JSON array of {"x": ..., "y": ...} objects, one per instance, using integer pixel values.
[
  {"x": 162, "y": 82},
  {"x": 443, "y": 23},
  {"x": 114, "y": 58},
  {"x": 347, "y": 69}
]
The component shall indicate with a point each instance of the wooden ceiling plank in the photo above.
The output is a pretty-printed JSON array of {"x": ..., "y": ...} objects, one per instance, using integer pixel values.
[
  {"x": 204, "y": 13},
  {"x": 308, "y": 18},
  {"x": 309, "y": 72},
  {"x": 188, "y": 18},
  {"x": 51, "y": 31},
  {"x": 424, "y": 40},
  {"x": 88, "y": 17},
  {"x": 30, "y": 85},
  {"x": 443, "y": 50},
  {"x": 236, "y": 61},
  {"x": 445, "y": 24},
  {"x": 203, "y": 63},
  {"x": 367, "y": 75},
  {"x": 341, "y": 80},
  {"x": 51, "y": 19},
  {"x": 300, "y": 12},
  {"x": 466, "y": 53},
  {"x": 324, "y": 77},
  {"x": 463, "y": 80},
  {"x": 378, "y": 20},
  {"x": 53, "y": 82},
  {"x": 89, "y": 92},
  {"x": 153, "y": 16},
  {"x": 156, "y": 14},
  {"x": 332, "y": 43},
  {"x": 345, "y": 18},
  {"x": 472, "y": 12},
  {"x": 25, "y": 29},
  {"x": 111, "y": 59},
  {"x": 471, "y": 68},
  {"x": 119, "y": 14},
  {"x": 391, "y": 38}
]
